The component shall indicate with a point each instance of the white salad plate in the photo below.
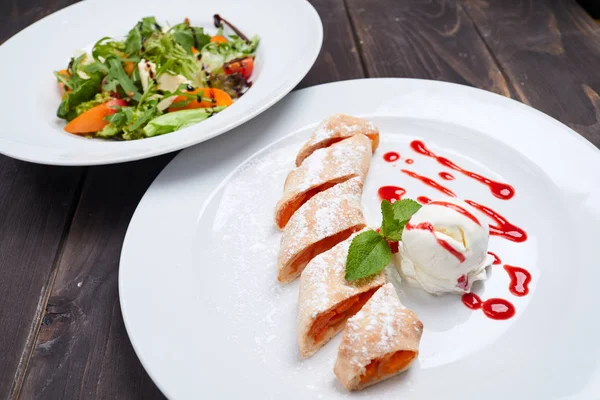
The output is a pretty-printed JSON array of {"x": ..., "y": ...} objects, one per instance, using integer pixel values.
[
  {"x": 201, "y": 253},
  {"x": 290, "y": 33}
]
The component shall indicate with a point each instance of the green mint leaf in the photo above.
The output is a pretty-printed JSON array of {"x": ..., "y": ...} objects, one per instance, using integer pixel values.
[
  {"x": 404, "y": 209},
  {"x": 391, "y": 227},
  {"x": 369, "y": 253}
]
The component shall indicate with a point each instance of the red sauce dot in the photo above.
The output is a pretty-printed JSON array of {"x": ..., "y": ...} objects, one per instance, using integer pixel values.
[
  {"x": 472, "y": 301},
  {"x": 423, "y": 200},
  {"x": 447, "y": 176},
  {"x": 498, "y": 309},
  {"x": 519, "y": 280},
  {"x": 391, "y": 156},
  {"x": 391, "y": 193},
  {"x": 494, "y": 308}
]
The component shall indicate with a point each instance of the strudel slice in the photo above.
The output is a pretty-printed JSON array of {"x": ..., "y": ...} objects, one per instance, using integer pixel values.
[
  {"x": 380, "y": 341},
  {"x": 335, "y": 128},
  {"x": 321, "y": 170},
  {"x": 327, "y": 299},
  {"x": 326, "y": 219}
]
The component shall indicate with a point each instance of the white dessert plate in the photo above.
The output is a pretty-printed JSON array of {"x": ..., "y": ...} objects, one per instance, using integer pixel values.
[
  {"x": 197, "y": 279},
  {"x": 291, "y": 35}
]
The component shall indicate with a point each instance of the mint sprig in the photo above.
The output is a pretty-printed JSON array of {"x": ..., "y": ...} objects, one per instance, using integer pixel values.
[{"x": 370, "y": 252}]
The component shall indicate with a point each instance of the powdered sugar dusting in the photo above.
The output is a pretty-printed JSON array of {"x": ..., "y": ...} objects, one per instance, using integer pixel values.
[
  {"x": 323, "y": 284},
  {"x": 327, "y": 213},
  {"x": 343, "y": 160},
  {"x": 246, "y": 240},
  {"x": 338, "y": 126},
  {"x": 381, "y": 327}
]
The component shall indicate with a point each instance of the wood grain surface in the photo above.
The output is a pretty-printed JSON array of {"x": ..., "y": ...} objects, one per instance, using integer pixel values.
[
  {"x": 550, "y": 53},
  {"x": 36, "y": 204},
  {"x": 82, "y": 349},
  {"x": 18, "y": 14},
  {"x": 339, "y": 59},
  {"x": 61, "y": 229},
  {"x": 424, "y": 39}
]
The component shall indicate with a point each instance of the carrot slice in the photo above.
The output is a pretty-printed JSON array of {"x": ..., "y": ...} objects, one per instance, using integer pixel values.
[
  {"x": 218, "y": 39},
  {"x": 219, "y": 98},
  {"x": 93, "y": 119}
]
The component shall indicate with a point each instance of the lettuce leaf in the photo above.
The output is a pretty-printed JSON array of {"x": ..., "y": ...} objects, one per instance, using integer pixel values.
[
  {"x": 100, "y": 98},
  {"x": 174, "y": 121}
]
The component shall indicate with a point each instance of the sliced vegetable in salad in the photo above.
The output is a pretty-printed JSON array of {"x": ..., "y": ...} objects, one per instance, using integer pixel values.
[{"x": 157, "y": 80}]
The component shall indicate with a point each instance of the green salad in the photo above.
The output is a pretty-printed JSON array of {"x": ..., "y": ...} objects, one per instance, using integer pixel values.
[{"x": 157, "y": 80}]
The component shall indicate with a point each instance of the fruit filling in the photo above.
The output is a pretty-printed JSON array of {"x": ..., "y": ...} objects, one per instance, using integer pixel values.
[
  {"x": 388, "y": 365},
  {"x": 374, "y": 137},
  {"x": 295, "y": 204},
  {"x": 320, "y": 247},
  {"x": 340, "y": 314}
]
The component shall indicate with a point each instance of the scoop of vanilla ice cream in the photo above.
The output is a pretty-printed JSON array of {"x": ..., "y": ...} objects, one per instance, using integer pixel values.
[{"x": 444, "y": 248}]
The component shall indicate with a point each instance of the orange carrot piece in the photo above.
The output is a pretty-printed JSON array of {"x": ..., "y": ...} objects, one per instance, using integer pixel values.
[{"x": 219, "y": 97}]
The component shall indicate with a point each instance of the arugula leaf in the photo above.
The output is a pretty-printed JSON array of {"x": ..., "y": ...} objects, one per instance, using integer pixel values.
[
  {"x": 64, "y": 79},
  {"x": 130, "y": 121},
  {"x": 369, "y": 253},
  {"x": 118, "y": 77},
  {"x": 142, "y": 119},
  {"x": 82, "y": 91},
  {"x": 133, "y": 41},
  {"x": 405, "y": 208},
  {"x": 107, "y": 47},
  {"x": 185, "y": 39},
  {"x": 391, "y": 228},
  {"x": 147, "y": 26},
  {"x": 162, "y": 48},
  {"x": 174, "y": 121},
  {"x": 94, "y": 67}
]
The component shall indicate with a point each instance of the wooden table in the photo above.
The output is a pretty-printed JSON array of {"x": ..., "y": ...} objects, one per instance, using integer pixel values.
[{"x": 61, "y": 229}]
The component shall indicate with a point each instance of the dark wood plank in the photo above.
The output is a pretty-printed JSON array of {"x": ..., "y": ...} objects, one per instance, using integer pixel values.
[
  {"x": 18, "y": 14},
  {"x": 37, "y": 204},
  {"x": 550, "y": 52},
  {"x": 431, "y": 39},
  {"x": 82, "y": 348},
  {"x": 339, "y": 58}
]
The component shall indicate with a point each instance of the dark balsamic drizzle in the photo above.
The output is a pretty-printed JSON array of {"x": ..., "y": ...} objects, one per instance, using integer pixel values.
[
  {"x": 220, "y": 21},
  {"x": 151, "y": 73},
  {"x": 195, "y": 38}
]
